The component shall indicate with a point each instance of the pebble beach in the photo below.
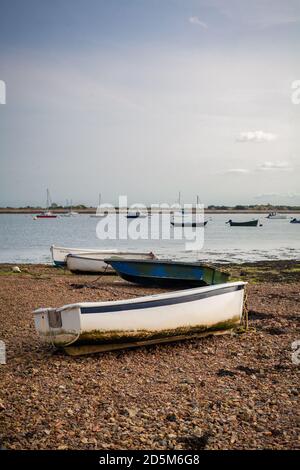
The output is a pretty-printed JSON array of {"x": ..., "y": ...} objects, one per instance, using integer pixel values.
[{"x": 237, "y": 391}]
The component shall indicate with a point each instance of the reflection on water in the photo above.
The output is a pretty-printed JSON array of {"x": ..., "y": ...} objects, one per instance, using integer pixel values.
[{"x": 24, "y": 240}]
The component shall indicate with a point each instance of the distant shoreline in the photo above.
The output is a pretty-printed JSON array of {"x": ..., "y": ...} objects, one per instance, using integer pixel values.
[{"x": 206, "y": 211}]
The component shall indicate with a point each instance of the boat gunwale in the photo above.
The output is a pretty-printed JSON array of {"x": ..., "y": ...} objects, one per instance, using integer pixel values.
[
  {"x": 149, "y": 298},
  {"x": 164, "y": 261},
  {"x": 116, "y": 253}
]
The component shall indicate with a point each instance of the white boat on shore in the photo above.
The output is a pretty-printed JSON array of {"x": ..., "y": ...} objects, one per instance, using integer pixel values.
[
  {"x": 59, "y": 253},
  {"x": 101, "y": 326},
  {"x": 93, "y": 263}
]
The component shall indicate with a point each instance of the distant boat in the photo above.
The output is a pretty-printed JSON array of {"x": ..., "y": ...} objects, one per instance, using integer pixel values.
[
  {"x": 188, "y": 223},
  {"x": 47, "y": 214},
  {"x": 295, "y": 221},
  {"x": 70, "y": 213},
  {"x": 275, "y": 215},
  {"x": 94, "y": 263},
  {"x": 249, "y": 223},
  {"x": 134, "y": 214},
  {"x": 87, "y": 327},
  {"x": 59, "y": 253},
  {"x": 98, "y": 213},
  {"x": 167, "y": 273}
]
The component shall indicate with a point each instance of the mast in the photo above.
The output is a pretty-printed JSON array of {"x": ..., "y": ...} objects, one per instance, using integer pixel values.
[{"x": 48, "y": 200}]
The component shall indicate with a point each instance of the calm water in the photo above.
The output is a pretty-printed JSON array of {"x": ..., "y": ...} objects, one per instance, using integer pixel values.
[{"x": 24, "y": 240}]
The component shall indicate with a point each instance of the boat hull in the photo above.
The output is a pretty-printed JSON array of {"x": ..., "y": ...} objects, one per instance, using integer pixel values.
[
  {"x": 60, "y": 253},
  {"x": 189, "y": 224},
  {"x": 153, "y": 318},
  {"x": 167, "y": 273},
  {"x": 250, "y": 223},
  {"x": 276, "y": 217}
]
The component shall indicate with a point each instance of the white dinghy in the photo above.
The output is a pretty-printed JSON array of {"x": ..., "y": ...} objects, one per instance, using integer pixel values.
[
  {"x": 60, "y": 253},
  {"x": 88, "y": 327},
  {"x": 93, "y": 263}
]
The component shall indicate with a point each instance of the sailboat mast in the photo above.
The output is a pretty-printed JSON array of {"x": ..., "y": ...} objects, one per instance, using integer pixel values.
[{"x": 48, "y": 200}]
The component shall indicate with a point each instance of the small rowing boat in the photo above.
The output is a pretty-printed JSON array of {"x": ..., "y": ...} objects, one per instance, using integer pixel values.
[
  {"x": 94, "y": 263},
  {"x": 60, "y": 253},
  {"x": 84, "y": 328},
  {"x": 248, "y": 223},
  {"x": 167, "y": 273},
  {"x": 188, "y": 223}
]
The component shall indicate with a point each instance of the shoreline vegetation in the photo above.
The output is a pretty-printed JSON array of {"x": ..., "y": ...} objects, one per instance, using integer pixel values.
[
  {"x": 238, "y": 391},
  {"x": 211, "y": 209}
]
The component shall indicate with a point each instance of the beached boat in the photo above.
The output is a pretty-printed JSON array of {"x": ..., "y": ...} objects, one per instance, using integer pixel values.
[
  {"x": 167, "y": 273},
  {"x": 248, "y": 223},
  {"x": 295, "y": 221},
  {"x": 188, "y": 223},
  {"x": 94, "y": 263},
  {"x": 101, "y": 326},
  {"x": 275, "y": 215},
  {"x": 59, "y": 253}
]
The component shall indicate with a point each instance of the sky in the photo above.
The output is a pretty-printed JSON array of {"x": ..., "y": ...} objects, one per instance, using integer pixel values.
[{"x": 146, "y": 98}]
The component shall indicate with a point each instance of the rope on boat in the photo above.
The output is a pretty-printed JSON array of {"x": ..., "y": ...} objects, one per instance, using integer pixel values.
[{"x": 245, "y": 317}]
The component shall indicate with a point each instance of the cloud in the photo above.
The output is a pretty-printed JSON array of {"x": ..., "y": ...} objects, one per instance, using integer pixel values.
[
  {"x": 256, "y": 136},
  {"x": 196, "y": 20},
  {"x": 237, "y": 171},
  {"x": 274, "y": 166}
]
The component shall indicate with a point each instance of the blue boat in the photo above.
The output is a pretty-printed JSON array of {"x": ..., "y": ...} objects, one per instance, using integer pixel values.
[{"x": 167, "y": 273}]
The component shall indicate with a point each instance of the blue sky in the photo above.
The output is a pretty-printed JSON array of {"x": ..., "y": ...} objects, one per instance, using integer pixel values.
[{"x": 146, "y": 98}]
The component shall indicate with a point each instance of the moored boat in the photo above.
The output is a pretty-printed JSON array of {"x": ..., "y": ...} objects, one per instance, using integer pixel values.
[
  {"x": 135, "y": 214},
  {"x": 47, "y": 214},
  {"x": 188, "y": 223},
  {"x": 167, "y": 273},
  {"x": 275, "y": 215},
  {"x": 94, "y": 263},
  {"x": 248, "y": 223},
  {"x": 295, "y": 221},
  {"x": 100, "y": 326}
]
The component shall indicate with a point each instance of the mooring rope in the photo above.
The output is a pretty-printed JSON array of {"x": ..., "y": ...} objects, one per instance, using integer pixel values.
[{"x": 245, "y": 316}]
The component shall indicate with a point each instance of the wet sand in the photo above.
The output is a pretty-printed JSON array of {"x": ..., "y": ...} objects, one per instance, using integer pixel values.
[{"x": 238, "y": 391}]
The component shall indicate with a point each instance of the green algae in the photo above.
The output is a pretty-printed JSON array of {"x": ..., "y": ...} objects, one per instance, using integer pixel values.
[{"x": 120, "y": 336}]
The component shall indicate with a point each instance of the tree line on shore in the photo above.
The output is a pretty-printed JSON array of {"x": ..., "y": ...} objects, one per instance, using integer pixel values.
[{"x": 252, "y": 207}]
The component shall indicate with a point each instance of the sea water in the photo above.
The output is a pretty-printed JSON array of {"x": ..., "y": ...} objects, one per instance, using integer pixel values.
[{"x": 25, "y": 240}]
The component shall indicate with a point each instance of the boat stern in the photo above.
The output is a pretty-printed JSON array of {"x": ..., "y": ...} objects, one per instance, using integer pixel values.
[{"x": 59, "y": 327}]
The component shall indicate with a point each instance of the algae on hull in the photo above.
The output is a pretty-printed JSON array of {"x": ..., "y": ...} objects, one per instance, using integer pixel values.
[{"x": 120, "y": 336}]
